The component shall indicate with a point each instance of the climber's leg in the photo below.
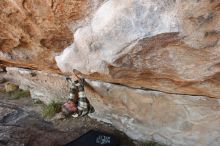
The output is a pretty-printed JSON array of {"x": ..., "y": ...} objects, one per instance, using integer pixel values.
[
  {"x": 70, "y": 107},
  {"x": 77, "y": 105},
  {"x": 84, "y": 106}
]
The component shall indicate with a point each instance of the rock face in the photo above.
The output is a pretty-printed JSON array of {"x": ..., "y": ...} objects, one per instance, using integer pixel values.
[
  {"x": 172, "y": 119},
  {"x": 43, "y": 86},
  {"x": 132, "y": 47},
  {"x": 172, "y": 46},
  {"x": 34, "y": 31}
]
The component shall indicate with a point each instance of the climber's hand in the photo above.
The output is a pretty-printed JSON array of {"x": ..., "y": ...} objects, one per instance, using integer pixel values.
[{"x": 76, "y": 73}]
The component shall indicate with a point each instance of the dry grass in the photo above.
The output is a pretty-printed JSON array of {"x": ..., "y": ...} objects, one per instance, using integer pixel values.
[
  {"x": 18, "y": 94},
  {"x": 2, "y": 90},
  {"x": 51, "y": 109}
]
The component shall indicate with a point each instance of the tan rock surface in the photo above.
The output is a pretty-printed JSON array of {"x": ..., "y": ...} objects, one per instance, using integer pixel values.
[
  {"x": 171, "y": 47},
  {"x": 33, "y": 31},
  {"x": 172, "y": 119}
]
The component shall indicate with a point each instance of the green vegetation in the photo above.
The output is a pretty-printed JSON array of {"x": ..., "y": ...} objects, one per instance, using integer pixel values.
[
  {"x": 2, "y": 90},
  {"x": 51, "y": 109},
  {"x": 151, "y": 143},
  {"x": 10, "y": 87},
  {"x": 18, "y": 94}
]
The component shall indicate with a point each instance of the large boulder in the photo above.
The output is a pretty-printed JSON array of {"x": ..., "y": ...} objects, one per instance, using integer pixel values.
[
  {"x": 156, "y": 62},
  {"x": 172, "y": 119},
  {"x": 171, "y": 46}
]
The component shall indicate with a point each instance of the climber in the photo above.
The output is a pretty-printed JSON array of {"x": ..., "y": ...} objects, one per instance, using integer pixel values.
[{"x": 77, "y": 104}]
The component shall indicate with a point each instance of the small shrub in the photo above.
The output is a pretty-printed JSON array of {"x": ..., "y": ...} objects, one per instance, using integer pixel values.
[
  {"x": 2, "y": 90},
  {"x": 18, "y": 94},
  {"x": 10, "y": 87},
  {"x": 51, "y": 109}
]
